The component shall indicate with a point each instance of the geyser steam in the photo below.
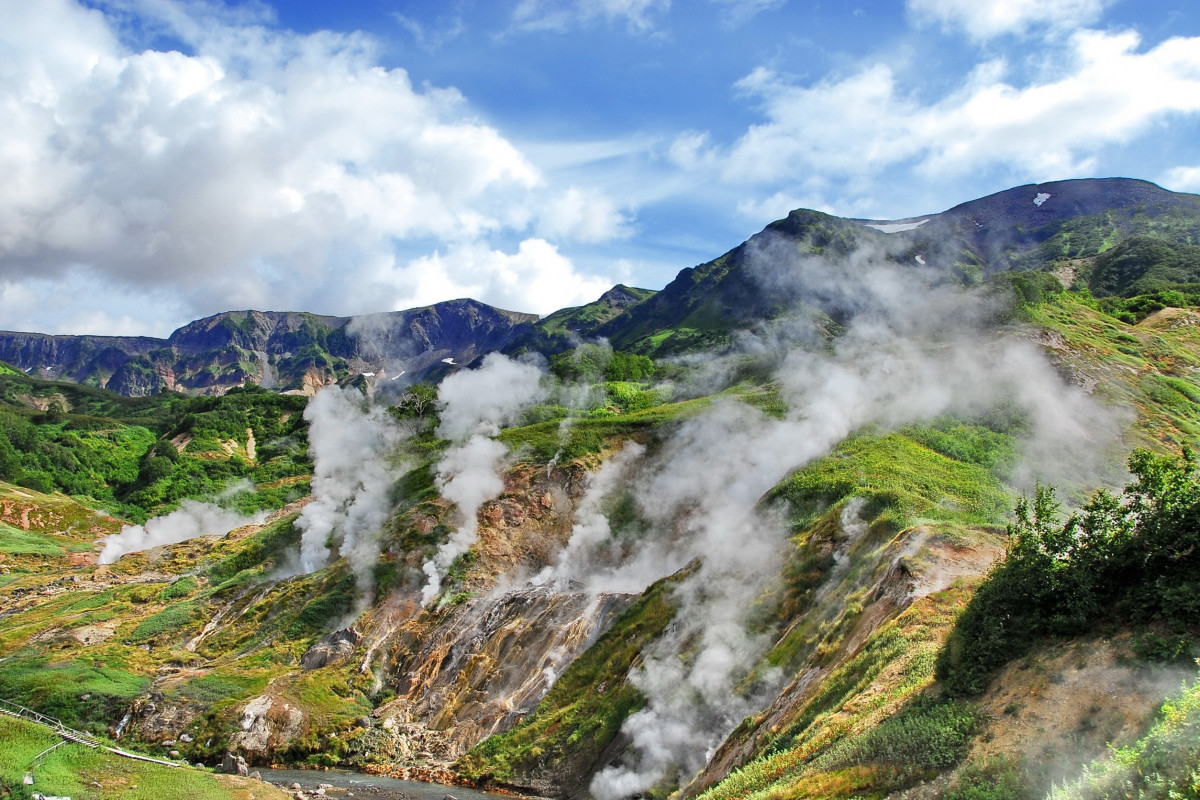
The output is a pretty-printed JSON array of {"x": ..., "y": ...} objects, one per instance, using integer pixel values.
[
  {"x": 190, "y": 520},
  {"x": 350, "y": 441},
  {"x": 475, "y": 404},
  {"x": 913, "y": 349}
]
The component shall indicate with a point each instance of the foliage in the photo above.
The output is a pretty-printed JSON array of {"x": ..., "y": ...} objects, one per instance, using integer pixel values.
[
  {"x": 1165, "y": 764},
  {"x": 896, "y": 473},
  {"x": 996, "y": 778},
  {"x": 170, "y": 619},
  {"x": 1134, "y": 559},
  {"x": 418, "y": 401},
  {"x": 1141, "y": 264},
  {"x": 131, "y": 466},
  {"x": 82, "y": 693},
  {"x": 927, "y": 735}
]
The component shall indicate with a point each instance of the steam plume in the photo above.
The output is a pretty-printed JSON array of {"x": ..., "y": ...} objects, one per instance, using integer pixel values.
[
  {"x": 474, "y": 406},
  {"x": 190, "y": 520},
  {"x": 350, "y": 441},
  {"x": 914, "y": 348}
]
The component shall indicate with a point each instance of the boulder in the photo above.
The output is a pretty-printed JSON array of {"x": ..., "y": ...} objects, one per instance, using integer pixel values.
[
  {"x": 234, "y": 765},
  {"x": 332, "y": 649}
]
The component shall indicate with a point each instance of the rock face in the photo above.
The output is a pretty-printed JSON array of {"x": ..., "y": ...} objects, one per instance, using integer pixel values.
[
  {"x": 268, "y": 724},
  {"x": 336, "y": 648}
]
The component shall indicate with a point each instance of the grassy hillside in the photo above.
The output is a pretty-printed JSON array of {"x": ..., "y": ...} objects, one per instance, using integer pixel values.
[{"x": 73, "y": 770}]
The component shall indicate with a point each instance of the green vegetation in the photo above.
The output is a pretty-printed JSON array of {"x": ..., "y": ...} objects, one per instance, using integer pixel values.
[
  {"x": 904, "y": 481},
  {"x": 1133, "y": 559},
  {"x": 79, "y": 772},
  {"x": 1163, "y": 765},
  {"x": 870, "y": 727},
  {"x": 83, "y": 693},
  {"x": 160, "y": 450}
]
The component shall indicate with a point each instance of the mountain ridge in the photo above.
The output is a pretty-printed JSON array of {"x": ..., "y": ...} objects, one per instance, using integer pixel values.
[{"x": 1026, "y": 227}]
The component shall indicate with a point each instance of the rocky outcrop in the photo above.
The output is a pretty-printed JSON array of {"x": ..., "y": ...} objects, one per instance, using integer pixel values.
[
  {"x": 267, "y": 725},
  {"x": 336, "y": 648}
]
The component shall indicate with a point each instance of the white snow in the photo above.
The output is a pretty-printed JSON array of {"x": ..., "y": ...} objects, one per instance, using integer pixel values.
[
  {"x": 449, "y": 361},
  {"x": 920, "y": 259},
  {"x": 1040, "y": 198},
  {"x": 401, "y": 373},
  {"x": 895, "y": 227},
  {"x": 368, "y": 374}
]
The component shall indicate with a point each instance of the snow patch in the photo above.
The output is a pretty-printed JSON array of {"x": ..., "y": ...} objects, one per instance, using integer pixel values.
[
  {"x": 895, "y": 227},
  {"x": 920, "y": 259},
  {"x": 1040, "y": 198}
]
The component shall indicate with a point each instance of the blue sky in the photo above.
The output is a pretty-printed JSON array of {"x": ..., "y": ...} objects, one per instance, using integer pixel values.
[{"x": 169, "y": 159}]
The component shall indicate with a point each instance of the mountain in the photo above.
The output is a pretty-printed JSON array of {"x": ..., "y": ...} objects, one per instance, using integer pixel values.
[
  {"x": 814, "y": 556},
  {"x": 287, "y": 351},
  {"x": 1062, "y": 225}
]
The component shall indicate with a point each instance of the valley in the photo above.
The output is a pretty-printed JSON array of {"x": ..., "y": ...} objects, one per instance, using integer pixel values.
[{"x": 778, "y": 530}]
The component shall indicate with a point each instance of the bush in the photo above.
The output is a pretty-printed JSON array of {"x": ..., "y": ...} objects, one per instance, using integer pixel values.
[{"x": 1133, "y": 559}]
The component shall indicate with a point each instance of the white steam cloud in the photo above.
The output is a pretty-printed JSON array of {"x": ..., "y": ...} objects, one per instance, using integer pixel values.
[
  {"x": 913, "y": 349},
  {"x": 350, "y": 442},
  {"x": 190, "y": 520},
  {"x": 475, "y": 405}
]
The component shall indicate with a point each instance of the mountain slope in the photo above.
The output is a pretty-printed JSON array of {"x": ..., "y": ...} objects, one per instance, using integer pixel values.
[{"x": 731, "y": 575}]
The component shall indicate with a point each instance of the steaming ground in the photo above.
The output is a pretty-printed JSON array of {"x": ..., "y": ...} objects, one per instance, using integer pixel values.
[
  {"x": 190, "y": 520},
  {"x": 913, "y": 349},
  {"x": 350, "y": 442},
  {"x": 475, "y": 405}
]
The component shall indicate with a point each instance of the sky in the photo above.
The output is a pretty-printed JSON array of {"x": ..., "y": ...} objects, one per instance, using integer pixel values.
[{"x": 164, "y": 160}]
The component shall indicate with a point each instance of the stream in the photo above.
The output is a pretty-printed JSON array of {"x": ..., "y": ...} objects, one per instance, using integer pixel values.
[{"x": 376, "y": 787}]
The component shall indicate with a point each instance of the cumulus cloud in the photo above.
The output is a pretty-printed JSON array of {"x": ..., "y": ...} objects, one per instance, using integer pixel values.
[
  {"x": 285, "y": 169},
  {"x": 190, "y": 520},
  {"x": 536, "y": 278},
  {"x": 1103, "y": 89},
  {"x": 1182, "y": 179},
  {"x": 985, "y": 19}
]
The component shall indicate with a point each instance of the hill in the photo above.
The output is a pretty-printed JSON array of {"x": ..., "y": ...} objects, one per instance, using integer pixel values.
[{"x": 764, "y": 539}]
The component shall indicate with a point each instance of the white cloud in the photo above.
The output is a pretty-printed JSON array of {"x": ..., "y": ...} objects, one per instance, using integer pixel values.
[
  {"x": 1105, "y": 92},
  {"x": 1182, "y": 179},
  {"x": 536, "y": 278},
  {"x": 267, "y": 170},
  {"x": 986, "y": 19},
  {"x": 563, "y": 15},
  {"x": 735, "y": 12},
  {"x": 583, "y": 215}
]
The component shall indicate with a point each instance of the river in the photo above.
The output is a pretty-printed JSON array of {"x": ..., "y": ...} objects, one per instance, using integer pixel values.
[{"x": 372, "y": 787}]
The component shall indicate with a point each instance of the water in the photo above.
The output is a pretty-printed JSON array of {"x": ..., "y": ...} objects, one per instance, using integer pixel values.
[{"x": 371, "y": 786}]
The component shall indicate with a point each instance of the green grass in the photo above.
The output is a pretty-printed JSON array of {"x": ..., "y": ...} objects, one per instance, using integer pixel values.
[
  {"x": 80, "y": 692},
  {"x": 170, "y": 620},
  {"x": 78, "y": 772},
  {"x": 903, "y": 481},
  {"x": 15, "y": 541}
]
